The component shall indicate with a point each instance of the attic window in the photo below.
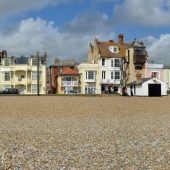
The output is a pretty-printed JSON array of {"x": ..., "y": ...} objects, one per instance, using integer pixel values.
[{"x": 114, "y": 49}]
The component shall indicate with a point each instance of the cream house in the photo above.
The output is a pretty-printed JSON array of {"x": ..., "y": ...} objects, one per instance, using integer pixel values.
[
  {"x": 21, "y": 73},
  {"x": 108, "y": 56},
  {"x": 89, "y": 80}
]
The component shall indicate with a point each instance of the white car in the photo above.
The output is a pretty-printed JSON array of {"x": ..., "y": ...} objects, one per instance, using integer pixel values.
[{"x": 71, "y": 92}]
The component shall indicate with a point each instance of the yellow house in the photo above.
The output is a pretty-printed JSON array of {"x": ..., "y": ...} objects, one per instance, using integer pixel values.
[
  {"x": 89, "y": 78},
  {"x": 21, "y": 73}
]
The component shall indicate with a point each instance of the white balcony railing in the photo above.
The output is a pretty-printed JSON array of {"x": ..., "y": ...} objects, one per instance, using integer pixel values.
[
  {"x": 90, "y": 80},
  {"x": 109, "y": 81},
  {"x": 69, "y": 83}
]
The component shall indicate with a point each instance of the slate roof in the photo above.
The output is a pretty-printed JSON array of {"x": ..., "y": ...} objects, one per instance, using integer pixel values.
[{"x": 136, "y": 44}]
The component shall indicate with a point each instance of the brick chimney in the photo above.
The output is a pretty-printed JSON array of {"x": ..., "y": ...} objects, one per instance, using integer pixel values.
[{"x": 120, "y": 38}]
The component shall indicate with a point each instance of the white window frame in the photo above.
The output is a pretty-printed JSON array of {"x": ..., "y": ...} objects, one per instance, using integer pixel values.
[
  {"x": 115, "y": 63},
  {"x": 7, "y": 78},
  {"x": 117, "y": 77},
  {"x": 90, "y": 76}
]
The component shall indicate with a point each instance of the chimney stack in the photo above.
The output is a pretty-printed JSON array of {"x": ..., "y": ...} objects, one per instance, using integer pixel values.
[{"x": 120, "y": 38}]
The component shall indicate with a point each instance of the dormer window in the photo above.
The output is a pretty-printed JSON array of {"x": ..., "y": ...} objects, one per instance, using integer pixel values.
[{"x": 113, "y": 49}]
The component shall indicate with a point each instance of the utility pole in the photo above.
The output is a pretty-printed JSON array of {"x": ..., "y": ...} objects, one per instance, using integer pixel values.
[{"x": 38, "y": 76}]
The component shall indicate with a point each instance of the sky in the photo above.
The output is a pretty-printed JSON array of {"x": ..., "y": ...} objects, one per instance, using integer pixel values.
[{"x": 64, "y": 28}]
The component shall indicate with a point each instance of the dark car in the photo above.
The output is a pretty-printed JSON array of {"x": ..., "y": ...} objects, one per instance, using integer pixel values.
[{"x": 10, "y": 91}]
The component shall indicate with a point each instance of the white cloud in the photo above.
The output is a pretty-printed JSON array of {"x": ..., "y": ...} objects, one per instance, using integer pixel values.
[
  {"x": 158, "y": 48},
  {"x": 32, "y": 35},
  {"x": 12, "y": 7},
  {"x": 144, "y": 12}
]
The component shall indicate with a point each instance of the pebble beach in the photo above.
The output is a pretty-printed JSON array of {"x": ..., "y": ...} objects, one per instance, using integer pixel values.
[{"x": 79, "y": 133}]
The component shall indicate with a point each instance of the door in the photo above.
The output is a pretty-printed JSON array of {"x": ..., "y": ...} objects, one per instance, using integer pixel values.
[{"x": 154, "y": 89}]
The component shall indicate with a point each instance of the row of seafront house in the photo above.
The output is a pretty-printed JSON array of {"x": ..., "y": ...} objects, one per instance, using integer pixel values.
[{"x": 111, "y": 67}]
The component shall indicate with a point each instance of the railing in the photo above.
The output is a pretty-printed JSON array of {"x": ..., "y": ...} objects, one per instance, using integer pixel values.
[
  {"x": 69, "y": 83},
  {"x": 90, "y": 80},
  {"x": 109, "y": 81}
]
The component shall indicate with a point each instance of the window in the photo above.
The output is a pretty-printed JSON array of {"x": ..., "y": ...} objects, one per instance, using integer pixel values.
[
  {"x": 90, "y": 89},
  {"x": 117, "y": 75},
  {"x": 34, "y": 61},
  {"x": 155, "y": 74},
  {"x": 112, "y": 75},
  {"x": 117, "y": 63},
  {"x": 22, "y": 76},
  {"x": 103, "y": 62},
  {"x": 34, "y": 88},
  {"x": 103, "y": 74},
  {"x": 68, "y": 78},
  {"x": 34, "y": 75},
  {"x": 7, "y": 76},
  {"x": 90, "y": 75},
  {"x": 112, "y": 63},
  {"x": 7, "y": 62},
  {"x": 115, "y": 49}
]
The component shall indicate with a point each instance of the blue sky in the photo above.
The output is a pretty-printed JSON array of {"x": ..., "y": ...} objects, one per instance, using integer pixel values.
[{"x": 64, "y": 28}]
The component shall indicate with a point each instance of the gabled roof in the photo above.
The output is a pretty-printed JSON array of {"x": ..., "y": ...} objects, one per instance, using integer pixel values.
[
  {"x": 105, "y": 52},
  {"x": 137, "y": 44}
]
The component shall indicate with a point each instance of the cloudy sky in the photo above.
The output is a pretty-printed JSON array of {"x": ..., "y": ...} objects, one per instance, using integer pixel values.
[{"x": 64, "y": 28}]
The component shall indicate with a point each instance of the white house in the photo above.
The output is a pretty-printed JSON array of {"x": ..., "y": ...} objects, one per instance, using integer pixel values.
[{"x": 147, "y": 87}]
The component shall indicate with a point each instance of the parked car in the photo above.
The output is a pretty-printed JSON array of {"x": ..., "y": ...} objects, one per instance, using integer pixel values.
[
  {"x": 10, "y": 91},
  {"x": 71, "y": 92}
]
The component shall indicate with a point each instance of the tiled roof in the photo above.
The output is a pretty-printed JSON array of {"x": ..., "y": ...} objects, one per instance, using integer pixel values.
[
  {"x": 105, "y": 52},
  {"x": 69, "y": 71}
]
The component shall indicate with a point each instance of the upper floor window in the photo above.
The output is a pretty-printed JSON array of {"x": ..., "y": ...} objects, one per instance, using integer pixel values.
[
  {"x": 117, "y": 75},
  {"x": 117, "y": 63},
  {"x": 103, "y": 62},
  {"x": 90, "y": 75},
  {"x": 34, "y": 75},
  {"x": 7, "y": 76},
  {"x": 112, "y": 63},
  {"x": 7, "y": 62},
  {"x": 103, "y": 74}
]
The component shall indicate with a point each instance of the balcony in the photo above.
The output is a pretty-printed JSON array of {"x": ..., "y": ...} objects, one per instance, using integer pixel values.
[
  {"x": 69, "y": 83},
  {"x": 109, "y": 81},
  {"x": 139, "y": 59}
]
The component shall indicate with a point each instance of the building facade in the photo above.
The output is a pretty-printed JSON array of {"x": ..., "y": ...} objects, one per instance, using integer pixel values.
[
  {"x": 21, "y": 73},
  {"x": 108, "y": 55},
  {"x": 154, "y": 70},
  {"x": 89, "y": 78},
  {"x": 63, "y": 76}
]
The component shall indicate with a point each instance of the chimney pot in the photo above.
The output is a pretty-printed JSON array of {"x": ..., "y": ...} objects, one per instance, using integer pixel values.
[{"x": 120, "y": 38}]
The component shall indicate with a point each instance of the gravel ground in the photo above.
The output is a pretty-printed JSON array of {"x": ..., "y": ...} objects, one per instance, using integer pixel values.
[{"x": 72, "y": 133}]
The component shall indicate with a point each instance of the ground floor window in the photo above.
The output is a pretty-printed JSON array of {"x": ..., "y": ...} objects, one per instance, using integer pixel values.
[
  {"x": 105, "y": 88},
  {"x": 34, "y": 88},
  {"x": 90, "y": 89}
]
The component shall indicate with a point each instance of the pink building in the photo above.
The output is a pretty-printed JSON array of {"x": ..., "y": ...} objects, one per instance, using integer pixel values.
[{"x": 154, "y": 70}]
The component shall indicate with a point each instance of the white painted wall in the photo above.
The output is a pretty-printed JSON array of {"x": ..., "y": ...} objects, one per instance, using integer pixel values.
[
  {"x": 142, "y": 90},
  {"x": 108, "y": 70}
]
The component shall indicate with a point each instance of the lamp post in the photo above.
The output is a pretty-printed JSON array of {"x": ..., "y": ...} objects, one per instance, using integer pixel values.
[{"x": 38, "y": 76}]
